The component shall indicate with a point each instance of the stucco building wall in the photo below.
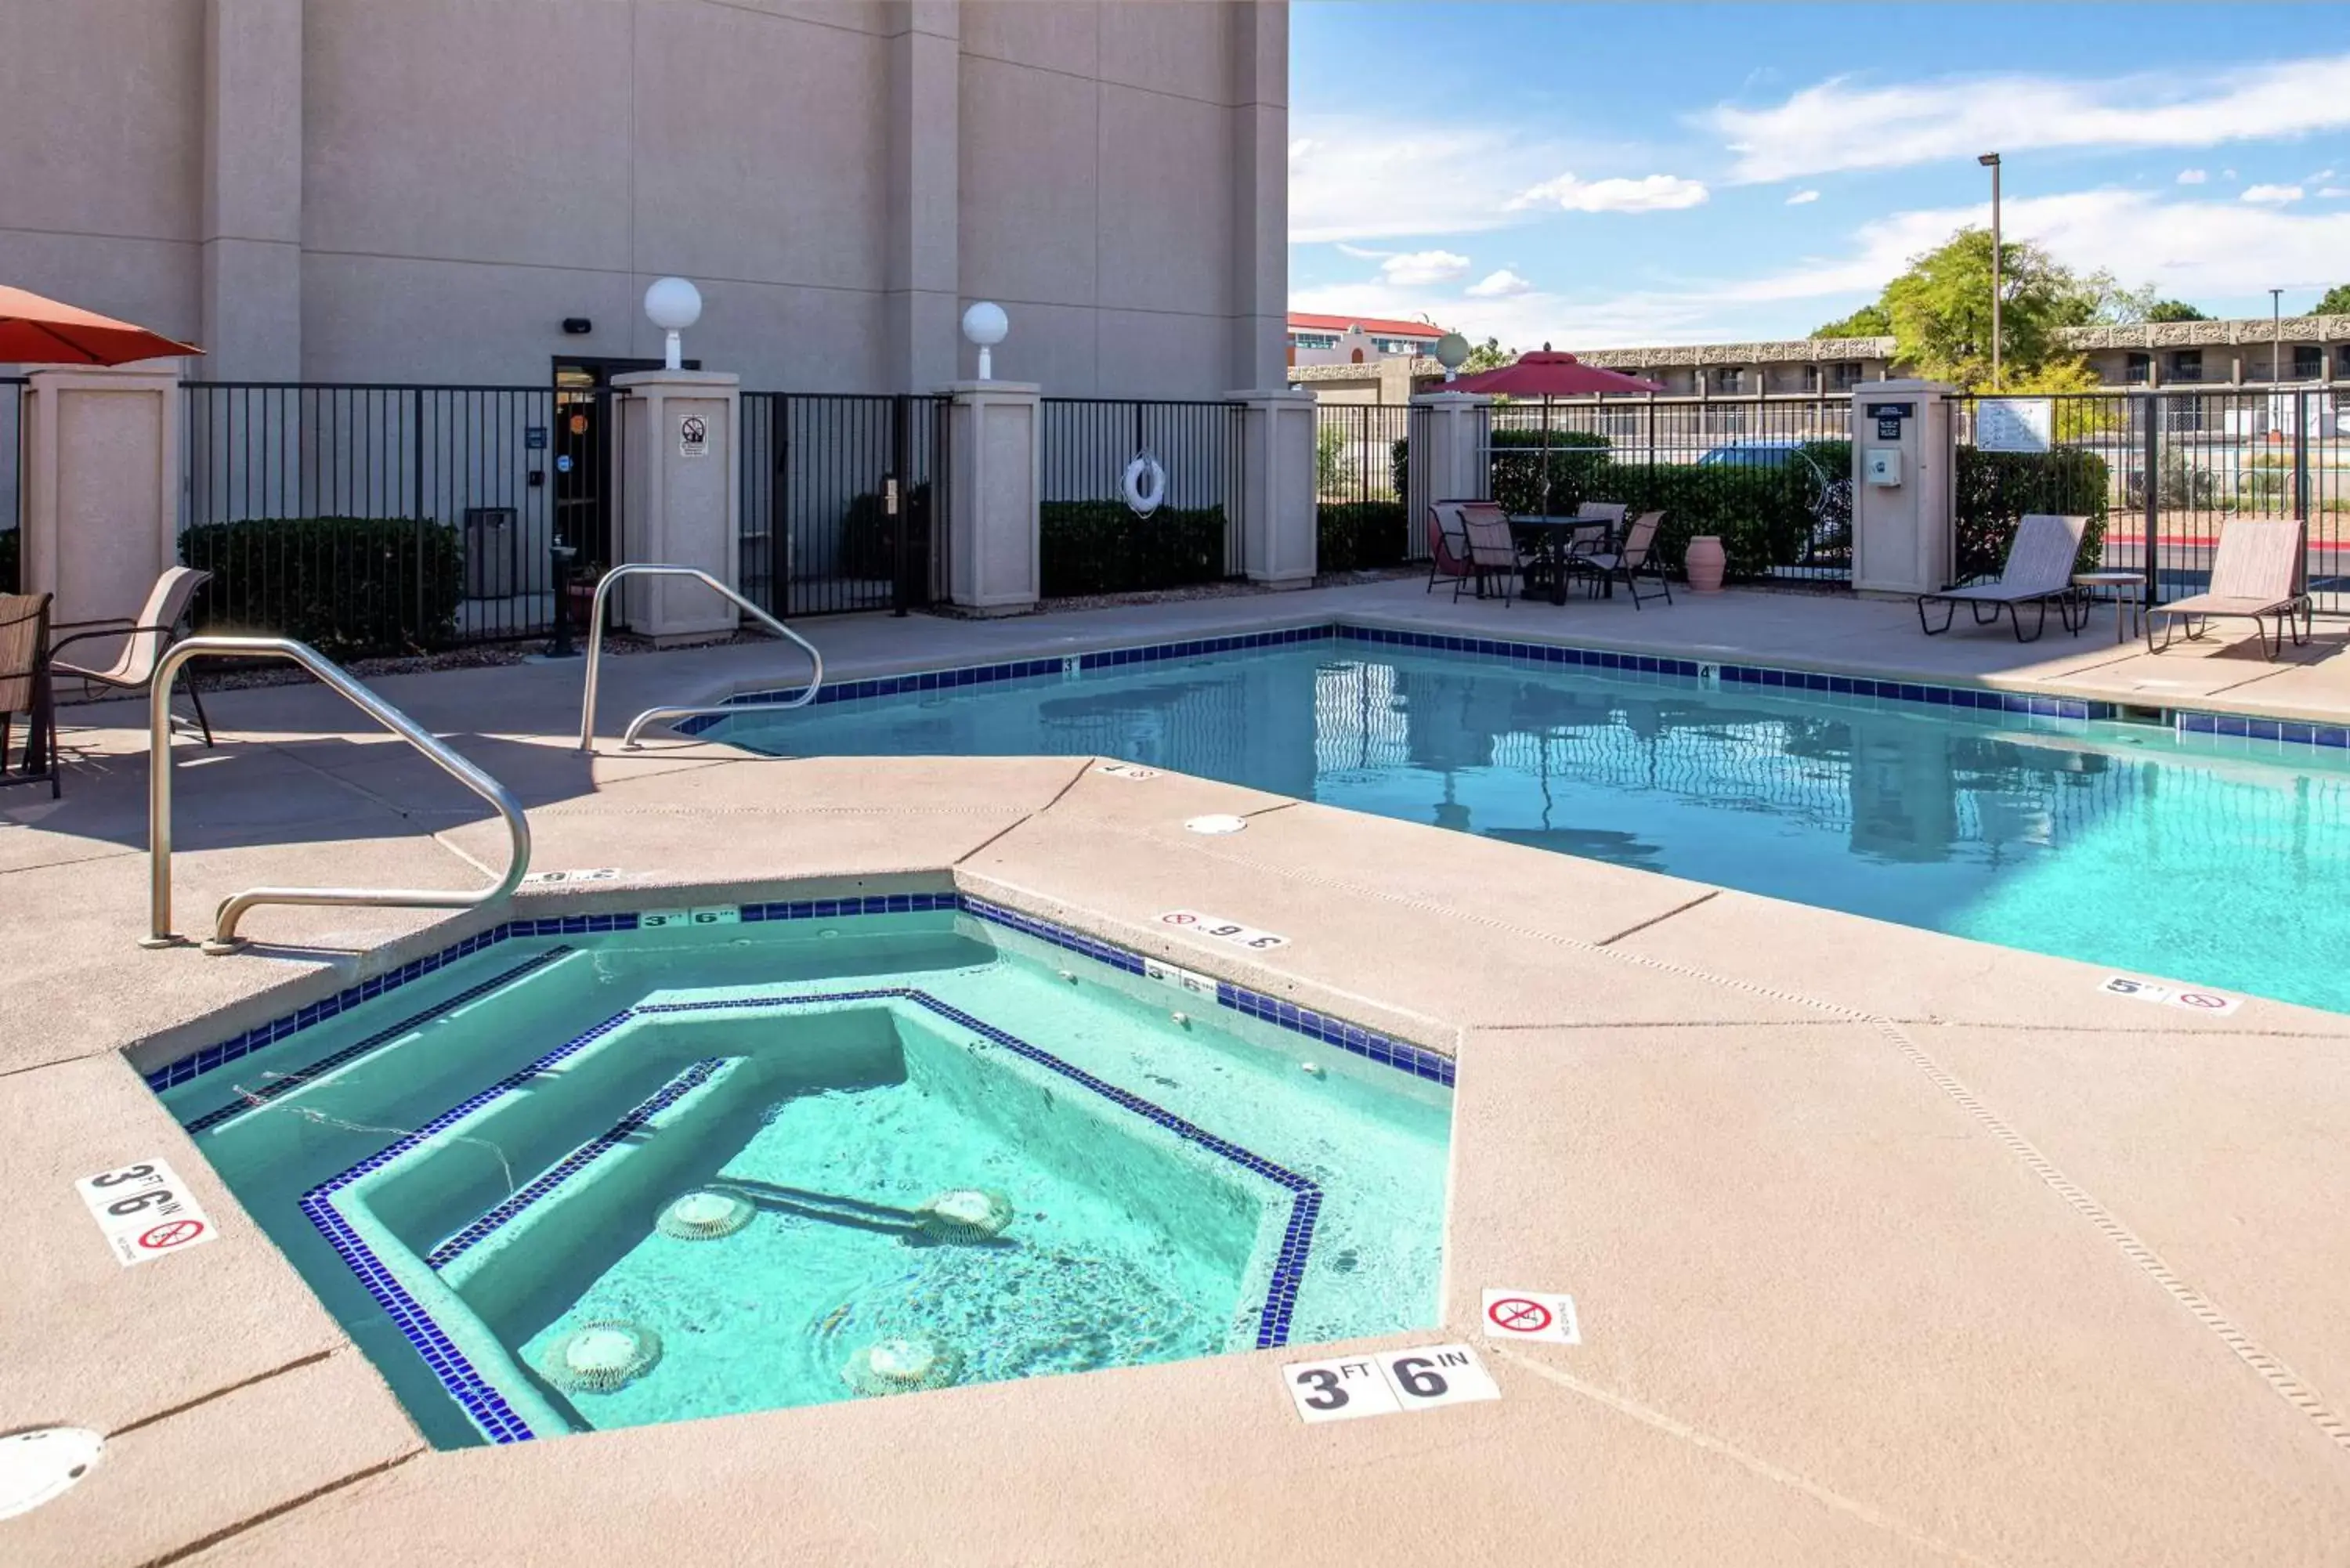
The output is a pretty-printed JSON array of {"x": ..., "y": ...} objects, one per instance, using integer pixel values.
[{"x": 348, "y": 190}]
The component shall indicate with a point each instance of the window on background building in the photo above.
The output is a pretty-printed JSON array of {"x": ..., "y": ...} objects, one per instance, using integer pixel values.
[
  {"x": 2342, "y": 362},
  {"x": 2137, "y": 369},
  {"x": 1844, "y": 374},
  {"x": 1729, "y": 378},
  {"x": 1315, "y": 339},
  {"x": 2308, "y": 362},
  {"x": 2187, "y": 364}
]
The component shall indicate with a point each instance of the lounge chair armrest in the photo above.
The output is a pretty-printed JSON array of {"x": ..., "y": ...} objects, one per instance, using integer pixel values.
[
  {"x": 125, "y": 630},
  {"x": 120, "y": 620}
]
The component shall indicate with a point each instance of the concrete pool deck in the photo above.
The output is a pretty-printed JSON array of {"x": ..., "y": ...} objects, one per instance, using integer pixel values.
[{"x": 1888, "y": 1246}]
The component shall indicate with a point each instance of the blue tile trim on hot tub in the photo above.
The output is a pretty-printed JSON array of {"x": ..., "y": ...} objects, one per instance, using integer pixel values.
[
  {"x": 285, "y": 1083},
  {"x": 198, "y": 1062},
  {"x": 481, "y": 1399},
  {"x": 848, "y": 908},
  {"x": 2286, "y": 731},
  {"x": 578, "y": 1160}
]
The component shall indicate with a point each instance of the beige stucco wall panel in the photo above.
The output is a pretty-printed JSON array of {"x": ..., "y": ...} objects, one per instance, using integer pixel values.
[
  {"x": 1165, "y": 175},
  {"x": 106, "y": 137},
  {"x": 1062, "y": 36},
  {"x": 1180, "y": 47},
  {"x": 762, "y": 148},
  {"x": 1030, "y": 198},
  {"x": 1149, "y": 353},
  {"x": 388, "y": 318},
  {"x": 1058, "y": 347},
  {"x": 468, "y": 131},
  {"x": 155, "y": 283}
]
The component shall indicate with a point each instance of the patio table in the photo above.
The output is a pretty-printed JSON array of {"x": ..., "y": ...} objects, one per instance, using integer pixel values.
[
  {"x": 2127, "y": 589},
  {"x": 1554, "y": 539}
]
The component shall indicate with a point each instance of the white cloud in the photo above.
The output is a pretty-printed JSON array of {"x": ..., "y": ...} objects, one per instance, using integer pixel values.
[
  {"x": 1362, "y": 253},
  {"x": 1803, "y": 198},
  {"x": 2192, "y": 176},
  {"x": 2334, "y": 193},
  {"x": 1362, "y": 179},
  {"x": 1416, "y": 269},
  {"x": 2274, "y": 195},
  {"x": 1651, "y": 194},
  {"x": 1499, "y": 284},
  {"x": 1840, "y": 124},
  {"x": 2320, "y": 177}
]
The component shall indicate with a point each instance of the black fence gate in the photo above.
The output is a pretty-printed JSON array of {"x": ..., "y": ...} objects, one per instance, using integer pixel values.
[
  {"x": 11, "y": 481},
  {"x": 2159, "y": 475},
  {"x": 844, "y": 502},
  {"x": 389, "y": 519},
  {"x": 1184, "y": 459}
]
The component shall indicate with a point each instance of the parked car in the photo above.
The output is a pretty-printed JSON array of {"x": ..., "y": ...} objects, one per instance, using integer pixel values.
[{"x": 1776, "y": 454}]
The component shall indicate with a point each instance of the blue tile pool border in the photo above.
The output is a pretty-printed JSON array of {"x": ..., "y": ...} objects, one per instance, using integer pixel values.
[
  {"x": 1420, "y": 1063},
  {"x": 480, "y": 1398}
]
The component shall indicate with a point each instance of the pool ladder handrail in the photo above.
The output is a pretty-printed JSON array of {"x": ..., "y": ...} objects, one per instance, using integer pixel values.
[
  {"x": 225, "y": 939},
  {"x": 652, "y": 715}
]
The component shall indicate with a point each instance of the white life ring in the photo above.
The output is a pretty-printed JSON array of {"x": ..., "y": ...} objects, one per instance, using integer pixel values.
[{"x": 1146, "y": 484}]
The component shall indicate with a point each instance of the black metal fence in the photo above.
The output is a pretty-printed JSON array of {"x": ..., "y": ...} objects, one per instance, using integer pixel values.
[
  {"x": 2160, "y": 475},
  {"x": 1361, "y": 458},
  {"x": 381, "y": 519},
  {"x": 1093, "y": 541},
  {"x": 11, "y": 481},
  {"x": 844, "y": 504}
]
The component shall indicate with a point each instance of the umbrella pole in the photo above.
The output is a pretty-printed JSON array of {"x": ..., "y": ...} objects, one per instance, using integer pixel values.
[{"x": 1546, "y": 457}]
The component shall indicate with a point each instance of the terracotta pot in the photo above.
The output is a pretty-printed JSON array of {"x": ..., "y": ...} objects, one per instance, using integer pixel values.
[{"x": 1703, "y": 561}]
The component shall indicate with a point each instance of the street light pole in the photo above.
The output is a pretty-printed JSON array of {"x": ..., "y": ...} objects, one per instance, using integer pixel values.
[
  {"x": 2276, "y": 330},
  {"x": 1990, "y": 162}
]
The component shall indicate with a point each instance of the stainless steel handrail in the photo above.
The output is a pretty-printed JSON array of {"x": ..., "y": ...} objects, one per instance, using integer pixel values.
[
  {"x": 636, "y": 725},
  {"x": 225, "y": 939}
]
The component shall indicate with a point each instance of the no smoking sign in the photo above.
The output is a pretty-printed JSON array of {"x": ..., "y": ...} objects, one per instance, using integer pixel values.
[{"x": 1532, "y": 1314}]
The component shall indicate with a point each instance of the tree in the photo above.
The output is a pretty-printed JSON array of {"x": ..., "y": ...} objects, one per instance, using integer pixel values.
[
  {"x": 1489, "y": 356},
  {"x": 2335, "y": 303},
  {"x": 1941, "y": 309},
  {"x": 1868, "y": 321},
  {"x": 2174, "y": 310}
]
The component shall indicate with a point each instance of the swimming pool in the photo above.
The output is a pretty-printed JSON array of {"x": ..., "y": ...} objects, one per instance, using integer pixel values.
[
  {"x": 594, "y": 1173},
  {"x": 2117, "y": 843}
]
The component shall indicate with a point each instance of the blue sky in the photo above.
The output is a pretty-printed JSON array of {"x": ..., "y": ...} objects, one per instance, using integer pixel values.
[{"x": 1614, "y": 175}]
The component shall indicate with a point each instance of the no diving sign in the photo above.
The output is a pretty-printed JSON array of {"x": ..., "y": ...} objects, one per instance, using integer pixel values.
[
  {"x": 143, "y": 1212},
  {"x": 1532, "y": 1314},
  {"x": 693, "y": 436}
]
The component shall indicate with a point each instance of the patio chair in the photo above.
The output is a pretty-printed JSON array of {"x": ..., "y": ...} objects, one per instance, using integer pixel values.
[
  {"x": 1447, "y": 544},
  {"x": 1493, "y": 549},
  {"x": 144, "y": 640},
  {"x": 24, "y": 689},
  {"x": 2256, "y": 573},
  {"x": 2039, "y": 571},
  {"x": 1634, "y": 558}
]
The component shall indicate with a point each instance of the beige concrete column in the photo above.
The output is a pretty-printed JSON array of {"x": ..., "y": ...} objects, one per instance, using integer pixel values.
[
  {"x": 995, "y": 483},
  {"x": 1901, "y": 541},
  {"x": 680, "y": 502},
  {"x": 102, "y": 498},
  {"x": 1279, "y": 536},
  {"x": 1260, "y": 194},
  {"x": 1450, "y": 434},
  {"x": 253, "y": 191},
  {"x": 923, "y": 265}
]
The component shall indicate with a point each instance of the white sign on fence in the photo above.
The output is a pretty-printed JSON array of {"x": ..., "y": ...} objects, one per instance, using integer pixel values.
[{"x": 2013, "y": 424}]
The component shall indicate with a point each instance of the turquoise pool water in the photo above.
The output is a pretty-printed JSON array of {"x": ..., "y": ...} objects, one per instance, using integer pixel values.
[
  {"x": 2115, "y": 843},
  {"x": 479, "y": 1171}
]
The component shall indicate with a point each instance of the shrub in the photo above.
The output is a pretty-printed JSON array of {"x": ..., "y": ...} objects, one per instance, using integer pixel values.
[
  {"x": 9, "y": 556},
  {"x": 350, "y": 586},
  {"x": 1996, "y": 488},
  {"x": 869, "y": 540},
  {"x": 1357, "y": 536},
  {"x": 1574, "y": 458},
  {"x": 1102, "y": 547}
]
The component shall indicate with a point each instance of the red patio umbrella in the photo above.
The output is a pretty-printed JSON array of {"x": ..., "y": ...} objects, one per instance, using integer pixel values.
[
  {"x": 38, "y": 331},
  {"x": 1547, "y": 375}
]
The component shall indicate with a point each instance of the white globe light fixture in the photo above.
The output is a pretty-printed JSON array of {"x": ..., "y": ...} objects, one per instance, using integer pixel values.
[
  {"x": 1451, "y": 352},
  {"x": 985, "y": 324},
  {"x": 672, "y": 304}
]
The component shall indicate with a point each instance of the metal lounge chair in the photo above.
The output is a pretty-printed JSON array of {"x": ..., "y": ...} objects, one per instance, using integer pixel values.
[
  {"x": 144, "y": 640},
  {"x": 2039, "y": 572},
  {"x": 24, "y": 689},
  {"x": 2256, "y": 573},
  {"x": 1493, "y": 549},
  {"x": 1447, "y": 544},
  {"x": 1632, "y": 559}
]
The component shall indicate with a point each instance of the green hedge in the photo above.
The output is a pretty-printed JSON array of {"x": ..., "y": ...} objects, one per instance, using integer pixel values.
[
  {"x": 1359, "y": 535},
  {"x": 350, "y": 586},
  {"x": 1996, "y": 488},
  {"x": 869, "y": 540},
  {"x": 1102, "y": 547}
]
